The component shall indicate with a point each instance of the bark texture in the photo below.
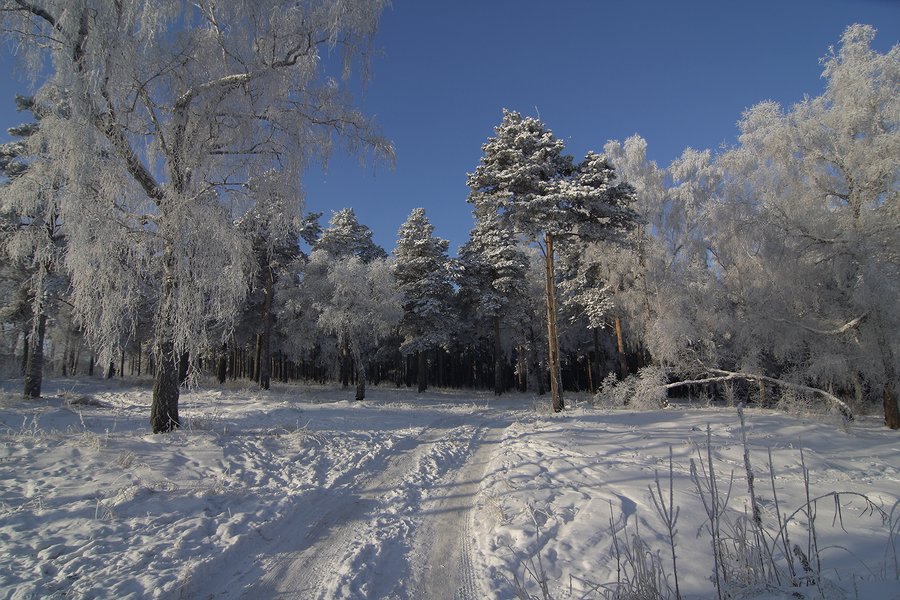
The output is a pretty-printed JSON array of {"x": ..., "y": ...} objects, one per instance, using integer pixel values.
[{"x": 166, "y": 390}]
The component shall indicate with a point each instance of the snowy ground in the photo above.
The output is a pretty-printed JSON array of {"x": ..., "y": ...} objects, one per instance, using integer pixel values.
[{"x": 298, "y": 493}]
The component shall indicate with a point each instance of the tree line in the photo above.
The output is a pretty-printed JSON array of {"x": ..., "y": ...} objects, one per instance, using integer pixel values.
[{"x": 152, "y": 220}]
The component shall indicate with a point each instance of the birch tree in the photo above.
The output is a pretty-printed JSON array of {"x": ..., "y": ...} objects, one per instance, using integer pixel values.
[
  {"x": 345, "y": 237},
  {"x": 813, "y": 207},
  {"x": 361, "y": 306},
  {"x": 175, "y": 105}
]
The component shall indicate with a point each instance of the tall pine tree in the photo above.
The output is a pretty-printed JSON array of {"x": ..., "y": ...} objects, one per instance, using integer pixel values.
[
  {"x": 537, "y": 191},
  {"x": 422, "y": 272}
]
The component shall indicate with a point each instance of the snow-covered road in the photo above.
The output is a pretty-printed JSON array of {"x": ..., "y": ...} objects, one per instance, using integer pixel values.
[
  {"x": 400, "y": 530},
  {"x": 300, "y": 493}
]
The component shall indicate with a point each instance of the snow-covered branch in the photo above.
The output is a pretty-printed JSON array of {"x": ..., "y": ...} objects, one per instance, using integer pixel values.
[{"x": 852, "y": 324}]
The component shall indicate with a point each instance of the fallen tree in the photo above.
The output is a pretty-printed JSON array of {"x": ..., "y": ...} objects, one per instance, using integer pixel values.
[{"x": 719, "y": 376}]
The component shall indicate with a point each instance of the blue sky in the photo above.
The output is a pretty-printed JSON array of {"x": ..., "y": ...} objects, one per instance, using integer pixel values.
[{"x": 679, "y": 73}]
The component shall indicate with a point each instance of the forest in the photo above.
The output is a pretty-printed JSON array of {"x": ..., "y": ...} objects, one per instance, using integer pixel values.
[{"x": 152, "y": 223}]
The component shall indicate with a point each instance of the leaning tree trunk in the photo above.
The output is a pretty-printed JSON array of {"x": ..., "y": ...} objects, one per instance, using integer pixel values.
[
  {"x": 498, "y": 358},
  {"x": 891, "y": 409},
  {"x": 164, "y": 406},
  {"x": 34, "y": 366},
  {"x": 555, "y": 388}
]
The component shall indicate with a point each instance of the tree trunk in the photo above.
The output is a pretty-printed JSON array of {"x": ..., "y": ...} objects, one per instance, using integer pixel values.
[
  {"x": 345, "y": 366},
  {"x": 222, "y": 366},
  {"x": 360, "y": 377},
  {"x": 620, "y": 347},
  {"x": 65, "y": 360},
  {"x": 555, "y": 388},
  {"x": 422, "y": 374},
  {"x": 889, "y": 393},
  {"x": 441, "y": 368},
  {"x": 166, "y": 389},
  {"x": 498, "y": 358},
  {"x": 111, "y": 370},
  {"x": 257, "y": 353},
  {"x": 597, "y": 373},
  {"x": 76, "y": 356},
  {"x": 590, "y": 379},
  {"x": 34, "y": 366},
  {"x": 891, "y": 410},
  {"x": 23, "y": 368},
  {"x": 184, "y": 364},
  {"x": 265, "y": 338}
]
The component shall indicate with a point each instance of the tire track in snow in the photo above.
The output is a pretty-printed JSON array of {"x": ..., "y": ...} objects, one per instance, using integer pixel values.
[{"x": 443, "y": 539}]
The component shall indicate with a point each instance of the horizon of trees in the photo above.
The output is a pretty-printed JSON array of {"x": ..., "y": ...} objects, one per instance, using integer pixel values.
[{"x": 768, "y": 268}]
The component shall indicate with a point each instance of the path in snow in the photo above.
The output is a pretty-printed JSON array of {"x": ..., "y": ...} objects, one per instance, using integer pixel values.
[
  {"x": 443, "y": 540},
  {"x": 402, "y": 532}
]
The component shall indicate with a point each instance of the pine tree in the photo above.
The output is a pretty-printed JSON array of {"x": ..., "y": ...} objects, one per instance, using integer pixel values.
[
  {"x": 491, "y": 279},
  {"x": 422, "y": 271},
  {"x": 537, "y": 191},
  {"x": 345, "y": 237}
]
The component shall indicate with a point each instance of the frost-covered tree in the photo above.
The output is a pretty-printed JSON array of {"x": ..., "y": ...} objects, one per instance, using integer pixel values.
[
  {"x": 33, "y": 242},
  {"x": 422, "y": 271},
  {"x": 810, "y": 254},
  {"x": 274, "y": 233},
  {"x": 179, "y": 104},
  {"x": 358, "y": 303},
  {"x": 346, "y": 236},
  {"x": 667, "y": 253},
  {"x": 491, "y": 277},
  {"x": 537, "y": 191}
]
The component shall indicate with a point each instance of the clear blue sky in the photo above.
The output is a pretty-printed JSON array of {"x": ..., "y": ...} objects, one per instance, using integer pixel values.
[{"x": 679, "y": 73}]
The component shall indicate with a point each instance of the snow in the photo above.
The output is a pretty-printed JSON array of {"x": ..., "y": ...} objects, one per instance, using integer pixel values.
[{"x": 298, "y": 492}]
